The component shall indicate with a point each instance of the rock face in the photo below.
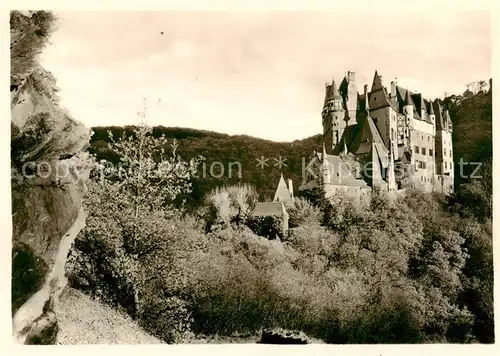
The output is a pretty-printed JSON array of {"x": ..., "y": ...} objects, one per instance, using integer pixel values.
[{"x": 48, "y": 173}]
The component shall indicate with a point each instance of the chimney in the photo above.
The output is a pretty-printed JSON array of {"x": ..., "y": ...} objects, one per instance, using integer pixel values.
[
  {"x": 393, "y": 89},
  {"x": 328, "y": 91},
  {"x": 290, "y": 188},
  {"x": 365, "y": 89}
]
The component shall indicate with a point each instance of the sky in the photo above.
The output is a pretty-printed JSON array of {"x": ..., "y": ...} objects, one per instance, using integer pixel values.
[{"x": 261, "y": 74}]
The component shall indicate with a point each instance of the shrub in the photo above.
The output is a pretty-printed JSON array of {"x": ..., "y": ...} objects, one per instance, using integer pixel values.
[
  {"x": 132, "y": 249},
  {"x": 230, "y": 205},
  {"x": 302, "y": 212},
  {"x": 266, "y": 226}
]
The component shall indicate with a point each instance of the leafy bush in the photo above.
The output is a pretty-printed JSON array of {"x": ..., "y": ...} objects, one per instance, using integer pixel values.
[
  {"x": 131, "y": 250},
  {"x": 266, "y": 226},
  {"x": 302, "y": 212},
  {"x": 231, "y": 205}
]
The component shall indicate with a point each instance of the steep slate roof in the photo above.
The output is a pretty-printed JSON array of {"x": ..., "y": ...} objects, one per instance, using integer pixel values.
[
  {"x": 431, "y": 107},
  {"x": 376, "y": 87},
  {"x": 363, "y": 104},
  {"x": 417, "y": 99},
  {"x": 269, "y": 209},
  {"x": 282, "y": 192},
  {"x": 406, "y": 97},
  {"x": 335, "y": 90},
  {"x": 359, "y": 140},
  {"x": 340, "y": 173},
  {"x": 447, "y": 119},
  {"x": 343, "y": 87}
]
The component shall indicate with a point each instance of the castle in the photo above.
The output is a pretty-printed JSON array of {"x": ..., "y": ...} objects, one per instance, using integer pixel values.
[{"x": 387, "y": 138}]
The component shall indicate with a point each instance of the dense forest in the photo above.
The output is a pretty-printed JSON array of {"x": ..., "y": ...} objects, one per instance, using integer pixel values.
[
  {"x": 226, "y": 149},
  {"x": 417, "y": 269}
]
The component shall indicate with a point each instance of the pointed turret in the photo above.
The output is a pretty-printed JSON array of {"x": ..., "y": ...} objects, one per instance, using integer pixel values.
[
  {"x": 377, "y": 82},
  {"x": 408, "y": 99},
  {"x": 391, "y": 179},
  {"x": 335, "y": 91},
  {"x": 431, "y": 108},
  {"x": 325, "y": 168},
  {"x": 290, "y": 188},
  {"x": 282, "y": 192},
  {"x": 409, "y": 107},
  {"x": 447, "y": 120},
  {"x": 432, "y": 116},
  {"x": 439, "y": 115}
]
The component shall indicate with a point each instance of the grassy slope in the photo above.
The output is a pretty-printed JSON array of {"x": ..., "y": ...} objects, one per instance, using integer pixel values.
[{"x": 83, "y": 320}]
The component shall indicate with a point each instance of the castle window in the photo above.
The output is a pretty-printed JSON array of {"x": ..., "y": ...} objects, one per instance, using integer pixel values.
[
  {"x": 423, "y": 151},
  {"x": 417, "y": 149},
  {"x": 445, "y": 151},
  {"x": 446, "y": 165},
  {"x": 431, "y": 153},
  {"x": 421, "y": 178},
  {"x": 450, "y": 153}
]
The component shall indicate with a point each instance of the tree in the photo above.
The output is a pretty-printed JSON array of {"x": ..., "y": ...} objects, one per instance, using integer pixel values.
[{"x": 128, "y": 244}]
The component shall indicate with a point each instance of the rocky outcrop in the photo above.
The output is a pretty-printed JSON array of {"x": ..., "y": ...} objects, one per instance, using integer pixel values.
[{"x": 48, "y": 171}]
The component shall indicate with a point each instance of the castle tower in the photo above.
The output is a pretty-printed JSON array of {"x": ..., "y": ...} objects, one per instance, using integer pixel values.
[
  {"x": 391, "y": 179},
  {"x": 432, "y": 116},
  {"x": 382, "y": 110},
  {"x": 290, "y": 188},
  {"x": 325, "y": 169},
  {"x": 408, "y": 110},
  {"x": 447, "y": 121},
  {"x": 333, "y": 117},
  {"x": 444, "y": 148},
  {"x": 367, "y": 102},
  {"x": 351, "y": 98}
]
